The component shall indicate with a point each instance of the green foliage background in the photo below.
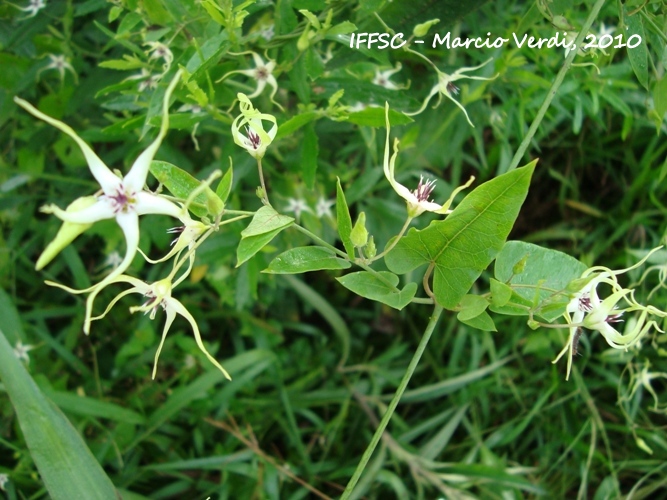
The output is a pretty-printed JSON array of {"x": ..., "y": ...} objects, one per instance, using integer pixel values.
[{"x": 486, "y": 415}]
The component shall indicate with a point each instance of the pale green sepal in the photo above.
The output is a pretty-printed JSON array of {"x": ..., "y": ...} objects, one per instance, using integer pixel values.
[{"x": 67, "y": 232}]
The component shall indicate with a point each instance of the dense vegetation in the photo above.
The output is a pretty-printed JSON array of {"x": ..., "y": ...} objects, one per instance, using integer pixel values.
[{"x": 315, "y": 358}]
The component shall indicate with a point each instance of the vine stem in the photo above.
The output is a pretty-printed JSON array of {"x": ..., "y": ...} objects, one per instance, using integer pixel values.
[
  {"x": 437, "y": 311},
  {"x": 554, "y": 87}
]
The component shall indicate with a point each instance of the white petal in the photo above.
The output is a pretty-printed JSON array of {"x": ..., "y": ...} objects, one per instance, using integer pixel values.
[
  {"x": 129, "y": 223},
  {"x": 149, "y": 203},
  {"x": 180, "y": 309},
  {"x": 136, "y": 177},
  {"x": 101, "y": 210},
  {"x": 102, "y": 173}
]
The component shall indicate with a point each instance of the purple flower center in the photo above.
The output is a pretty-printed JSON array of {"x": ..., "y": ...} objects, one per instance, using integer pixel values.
[
  {"x": 424, "y": 189},
  {"x": 452, "y": 89},
  {"x": 585, "y": 303},
  {"x": 122, "y": 201},
  {"x": 253, "y": 138}
]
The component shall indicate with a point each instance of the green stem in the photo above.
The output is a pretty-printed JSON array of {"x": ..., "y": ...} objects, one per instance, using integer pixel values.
[
  {"x": 554, "y": 88},
  {"x": 265, "y": 194},
  {"x": 396, "y": 238},
  {"x": 394, "y": 402},
  {"x": 655, "y": 27},
  {"x": 343, "y": 255}
]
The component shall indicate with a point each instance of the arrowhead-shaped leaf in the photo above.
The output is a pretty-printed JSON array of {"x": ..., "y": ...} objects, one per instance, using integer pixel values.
[
  {"x": 464, "y": 244},
  {"x": 542, "y": 272}
]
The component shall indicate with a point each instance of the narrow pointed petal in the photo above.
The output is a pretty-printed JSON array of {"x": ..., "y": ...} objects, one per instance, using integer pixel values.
[
  {"x": 445, "y": 208},
  {"x": 448, "y": 96},
  {"x": 149, "y": 203},
  {"x": 100, "y": 210},
  {"x": 180, "y": 309},
  {"x": 171, "y": 314},
  {"x": 129, "y": 223},
  {"x": 114, "y": 301},
  {"x": 100, "y": 171},
  {"x": 434, "y": 91},
  {"x": 136, "y": 177}
]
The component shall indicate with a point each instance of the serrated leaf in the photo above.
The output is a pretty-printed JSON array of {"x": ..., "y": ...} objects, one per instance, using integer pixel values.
[
  {"x": 639, "y": 55},
  {"x": 181, "y": 184},
  {"x": 482, "y": 322},
  {"x": 463, "y": 245},
  {"x": 344, "y": 220},
  {"x": 372, "y": 287},
  {"x": 544, "y": 272},
  {"x": 304, "y": 259}
]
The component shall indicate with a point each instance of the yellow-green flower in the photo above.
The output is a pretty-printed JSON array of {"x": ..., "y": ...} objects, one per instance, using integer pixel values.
[
  {"x": 418, "y": 201},
  {"x": 256, "y": 139}
]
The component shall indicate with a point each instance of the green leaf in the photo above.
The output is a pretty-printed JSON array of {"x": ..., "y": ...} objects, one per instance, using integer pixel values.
[
  {"x": 10, "y": 322},
  {"x": 472, "y": 306},
  {"x": 500, "y": 292},
  {"x": 543, "y": 274},
  {"x": 265, "y": 225},
  {"x": 296, "y": 122},
  {"x": 81, "y": 405},
  {"x": 65, "y": 464},
  {"x": 460, "y": 247},
  {"x": 181, "y": 184},
  {"x": 225, "y": 185},
  {"x": 660, "y": 97},
  {"x": 341, "y": 29},
  {"x": 344, "y": 220},
  {"x": 372, "y": 287},
  {"x": 374, "y": 117},
  {"x": 309, "y": 153},
  {"x": 304, "y": 259},
  {"x": 639, "y": 55},
  {"x": 266, "y": 219},
  {"x": 122, "y": 64},
  {"x": 482, "y": 322}
]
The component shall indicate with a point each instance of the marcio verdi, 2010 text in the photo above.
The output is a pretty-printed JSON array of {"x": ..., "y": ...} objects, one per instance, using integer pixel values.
[{"x": 560, "y": 39}]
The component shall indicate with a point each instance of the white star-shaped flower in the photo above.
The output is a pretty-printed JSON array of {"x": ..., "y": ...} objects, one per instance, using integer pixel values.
[
  {"x": 445, "y": 87},
  {"x": 297, "y": 206},
  {"x": 33, "y": 7},
  {"x": 21, "y": 351},
  {"x": 121, "y": 199},
  {"x": 323, "y": 207},
  {"x": 382, "y": 78},
  {"x": 262, "y": 73}
]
